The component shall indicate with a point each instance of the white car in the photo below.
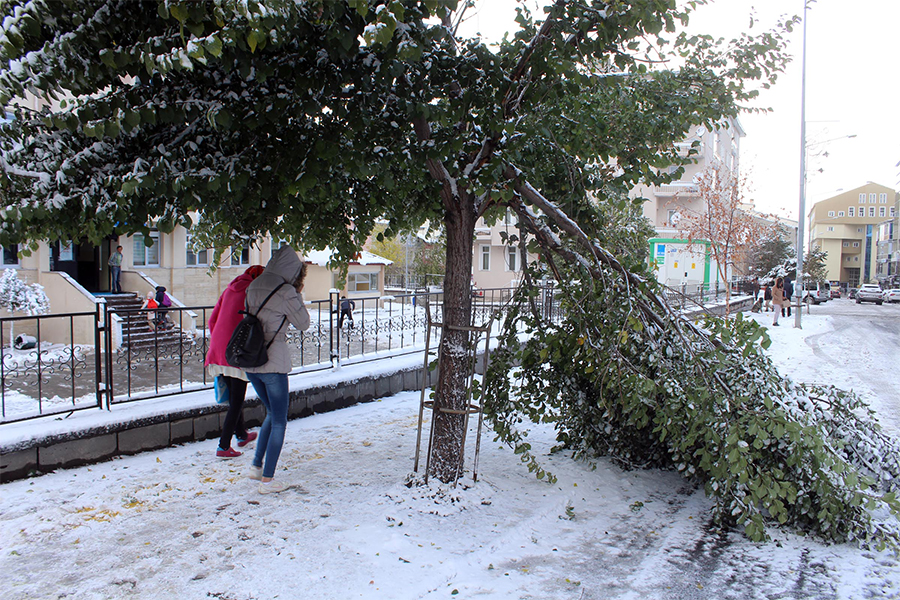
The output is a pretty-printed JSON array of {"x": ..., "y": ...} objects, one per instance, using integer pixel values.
[
  {"x": 869, "y": 292},
  {"x": 892, "y": 295}
]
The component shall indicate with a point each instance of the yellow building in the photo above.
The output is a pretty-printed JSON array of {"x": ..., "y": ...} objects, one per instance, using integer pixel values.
[{"x": 845, "y": 226}]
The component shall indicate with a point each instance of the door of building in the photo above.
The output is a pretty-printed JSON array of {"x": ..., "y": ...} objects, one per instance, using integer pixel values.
[{"x": 81, "y": 260}]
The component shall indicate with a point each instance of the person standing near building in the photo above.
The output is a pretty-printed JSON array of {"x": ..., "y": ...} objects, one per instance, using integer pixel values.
[
  {"x": 115, "y": 270},
  {"x": 281, "y": 282},
  {"x": 231, "y": 382},
  {"x": 777, "y": 299},
  {"x": 788, "y": 296}
]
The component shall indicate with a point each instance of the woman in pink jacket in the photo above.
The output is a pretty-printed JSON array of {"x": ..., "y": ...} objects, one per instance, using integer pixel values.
[{"x": 230, "y": 381}]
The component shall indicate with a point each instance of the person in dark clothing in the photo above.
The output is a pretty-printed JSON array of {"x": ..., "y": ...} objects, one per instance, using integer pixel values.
[
  {"x": 163, "y": 300},
  {"x": 346, "y": 305},
  {"x": 788, "y": 296},
  {"x": 767, "y": 296}
]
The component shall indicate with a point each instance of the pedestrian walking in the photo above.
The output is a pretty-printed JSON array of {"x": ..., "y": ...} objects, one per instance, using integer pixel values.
[
  {"x": 347, "y": 306},
  {"x": 115, "y": 270},
  {"x": 150, "y": 306},
  {"x": 777, "y": 299},
  {"x": 281, "y": 283},
  {"x": 230, "y": 382},
  {"x": 788, "y": 296},
  {"x": 755, "y": 284},
  {"x": 767, "y": 296}
]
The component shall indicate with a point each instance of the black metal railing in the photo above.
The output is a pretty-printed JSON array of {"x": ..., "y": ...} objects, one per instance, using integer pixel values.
[{"x": 138, "y": 354}]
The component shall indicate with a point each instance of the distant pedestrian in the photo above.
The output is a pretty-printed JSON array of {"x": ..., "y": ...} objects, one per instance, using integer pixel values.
[
  {"x": 788, "y": 296},
  {"x": 230, "y": 382},
  {"x": 767, "y": 296},
  {"x": 150, "y": 306},
  {"x": 283, "y": 281},
  {"x": 115, "y": 270},
  {"x": 755, "y": 289},
  {"x": 777, "y": 299},
  {"x": 347, "y": 306}
]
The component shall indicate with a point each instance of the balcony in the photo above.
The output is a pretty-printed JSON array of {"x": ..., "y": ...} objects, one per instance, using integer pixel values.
[{"x": 677, "y": 189}]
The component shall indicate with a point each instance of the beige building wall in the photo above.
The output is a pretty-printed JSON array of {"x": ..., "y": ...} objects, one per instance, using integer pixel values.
[
  {"x": 845, "y": 227},
  {"x": 492, "y": 266}
]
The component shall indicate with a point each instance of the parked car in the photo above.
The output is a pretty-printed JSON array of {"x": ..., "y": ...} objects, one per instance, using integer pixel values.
[
  {"x": 816, "y": 292},
  {"x": 892, "y": 295},
  {"x": 835, "y": 292},
  {"x": 852, "y": 293},
  {"x": 869, "y": 292}
]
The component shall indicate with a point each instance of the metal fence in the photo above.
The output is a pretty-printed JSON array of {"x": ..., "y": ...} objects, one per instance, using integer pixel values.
[{"x": 51, "y": 374}]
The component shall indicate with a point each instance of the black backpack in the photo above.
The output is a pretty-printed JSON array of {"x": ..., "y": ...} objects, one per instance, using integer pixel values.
[{"x": 247, "y": 347}]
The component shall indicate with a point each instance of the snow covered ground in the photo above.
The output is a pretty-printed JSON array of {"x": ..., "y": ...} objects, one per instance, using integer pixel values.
[{"x": 181, "y": 523}]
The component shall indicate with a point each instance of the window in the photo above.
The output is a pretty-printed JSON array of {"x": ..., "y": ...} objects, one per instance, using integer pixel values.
[
  {"x": 871, "y": 211},
  {"x": 66, "y": 251},
  {"x": 893, "y": 211},
  {"x": 849, "y": 259},
  {"x": 882, "y": 211},
  {"x": 850, "y": 212},
  {"x": 862, "y": 198},
  {"x": 830, "y": 228},
  {"x": 855, "y": 259},
  {"x": 882, "y": 198},
  {"x": 856, "y": 244},
  {"x": 830, "y": 213},
  {"x": 512, "y": 256},
  {"x": 276, "y": 244},
  {"x": 672, "y": 218},
  {"x": 846, "y": 244},
  {"x": 11, "y": 255},
  {"x": 485, "y": 258},
  {"x": 840, "y": 213},
  {"x": 145, "y": 255},
  {"x": 859, "y": 229},
  {"x": 872, "y": 198},
  {"x": 240, "y": 256},
  {"x": 195, "y": 260},
  {"x": 362, "y": 282}
]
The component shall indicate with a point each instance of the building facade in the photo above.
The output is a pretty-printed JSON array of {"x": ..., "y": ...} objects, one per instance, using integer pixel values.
[
  {"x": 678, "y": 261},
  {"x": 846, "y": 227}
]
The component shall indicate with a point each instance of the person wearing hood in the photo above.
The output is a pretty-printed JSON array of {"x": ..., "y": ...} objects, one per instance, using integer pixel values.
[
  {"x": 284, "y": 274},
  {"x": 230, "y": 382}
]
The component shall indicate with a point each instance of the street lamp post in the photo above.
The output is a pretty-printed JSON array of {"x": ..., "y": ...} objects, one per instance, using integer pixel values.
[{"x": 798, "y": 283}]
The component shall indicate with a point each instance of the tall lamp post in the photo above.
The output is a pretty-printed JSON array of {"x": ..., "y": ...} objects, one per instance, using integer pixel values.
[{"x": 798, "y": 283}]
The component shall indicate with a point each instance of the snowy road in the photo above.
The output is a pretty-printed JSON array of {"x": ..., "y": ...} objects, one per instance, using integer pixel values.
[{"x": 864, "y": 345}]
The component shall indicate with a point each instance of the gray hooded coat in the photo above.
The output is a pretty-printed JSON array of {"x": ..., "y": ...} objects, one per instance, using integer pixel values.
[{"x": 284, "y": 267}]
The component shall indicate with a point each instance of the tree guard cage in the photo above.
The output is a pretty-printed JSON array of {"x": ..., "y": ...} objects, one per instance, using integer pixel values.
[{"x": 473, "y": 338}]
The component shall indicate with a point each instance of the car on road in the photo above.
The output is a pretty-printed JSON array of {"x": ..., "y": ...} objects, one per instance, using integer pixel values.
[
  {"x": 816, "y": 292},
  {"x": 892, "y": 295},
  {"x": 869, "y": 292},
  {"x": 835, "y": 292}
]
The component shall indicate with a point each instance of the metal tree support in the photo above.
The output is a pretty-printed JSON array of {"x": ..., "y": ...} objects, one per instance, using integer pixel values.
[{"x": 474, "y": 333}]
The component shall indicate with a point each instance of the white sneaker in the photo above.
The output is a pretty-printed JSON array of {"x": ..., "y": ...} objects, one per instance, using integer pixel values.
[
  {"x": 272, "y": 487},
  {"x": 255, "y": 473}
]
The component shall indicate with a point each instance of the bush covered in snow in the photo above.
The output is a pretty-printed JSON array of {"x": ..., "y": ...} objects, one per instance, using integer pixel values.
[
  {"x": 700, "y": 398},
  {"x": 18, "y": 296}
]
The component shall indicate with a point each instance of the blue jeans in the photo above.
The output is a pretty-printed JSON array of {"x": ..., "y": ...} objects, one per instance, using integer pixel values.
[
  {"x": 116, "y": 273},
  {"x": 272, "y": 389}
]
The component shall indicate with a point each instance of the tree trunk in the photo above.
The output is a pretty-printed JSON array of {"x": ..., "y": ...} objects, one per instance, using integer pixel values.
[{"x": 450, "y": 392}]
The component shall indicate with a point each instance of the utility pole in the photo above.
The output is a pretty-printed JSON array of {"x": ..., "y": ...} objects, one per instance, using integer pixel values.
[{"x": 798, "y": 284}]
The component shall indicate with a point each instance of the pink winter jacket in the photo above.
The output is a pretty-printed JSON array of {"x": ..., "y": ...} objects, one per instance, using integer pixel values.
[{"x": 225, "y": 317}]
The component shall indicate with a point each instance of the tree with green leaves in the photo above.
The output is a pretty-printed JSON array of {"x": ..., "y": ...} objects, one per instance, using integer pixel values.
[
  {"x": 310, "y": 120},
  {"x": 773, "y": 251}
]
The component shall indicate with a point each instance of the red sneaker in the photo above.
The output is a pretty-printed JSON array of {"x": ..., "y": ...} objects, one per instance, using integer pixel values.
[
  {"x": 251, "y": 435},
  {"x": 230, "y": 453}
]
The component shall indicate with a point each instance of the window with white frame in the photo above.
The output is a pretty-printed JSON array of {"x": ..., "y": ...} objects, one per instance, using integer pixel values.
[
  {"x": 10, "y": 255},
  {"x": 871, "y": 211},
  {"x": 485, "y": 263},
  {"x": 200, "y": 259},
  {"x": 849, "y": 258},
  {"x": 872, "y": 198},
  {"x": 240, "y": 256},
  {"x": 145, "y": 254},
  {"x": 862, "y": 214},
  {"x": 856, "y": 244},
  {"x": 882, "y": 198},
  {"x": 851, "y": 212},
  {"x": 846, "y": 244},
  {"x": 855, "y": 259},
  {"x": 512, "y": 258},
  {"x": 862, "y": 198},
  {"x": 362, "y": 282},
  {"x": 893, "y": 211},
  {"x": 830, "y": 213},
  {"x": 830, "y": 228},
  {"x": 672, "y": 218},
  {"x": 277, "y": 243},
  {"x": 882, "y": 211},
  {"x": 840, "y": 213}
]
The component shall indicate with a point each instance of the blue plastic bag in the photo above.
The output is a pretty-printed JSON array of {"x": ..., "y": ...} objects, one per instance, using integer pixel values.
[{"x": 221, "y": 389}]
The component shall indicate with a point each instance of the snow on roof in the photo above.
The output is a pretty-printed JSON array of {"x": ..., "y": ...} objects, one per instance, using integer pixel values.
[{"x": 321, "y": 258}]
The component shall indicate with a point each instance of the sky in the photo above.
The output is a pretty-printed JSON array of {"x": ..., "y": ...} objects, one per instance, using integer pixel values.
[
  {"x": 852, "y": 88},
  {"x": 179, "y": 522}
]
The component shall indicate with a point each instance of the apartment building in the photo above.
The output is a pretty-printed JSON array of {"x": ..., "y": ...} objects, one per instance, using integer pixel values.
[
  {"x": 887, "y": 269},
  {"x": 846, "y": 227},
  {"x": 677, "y": 261}
]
